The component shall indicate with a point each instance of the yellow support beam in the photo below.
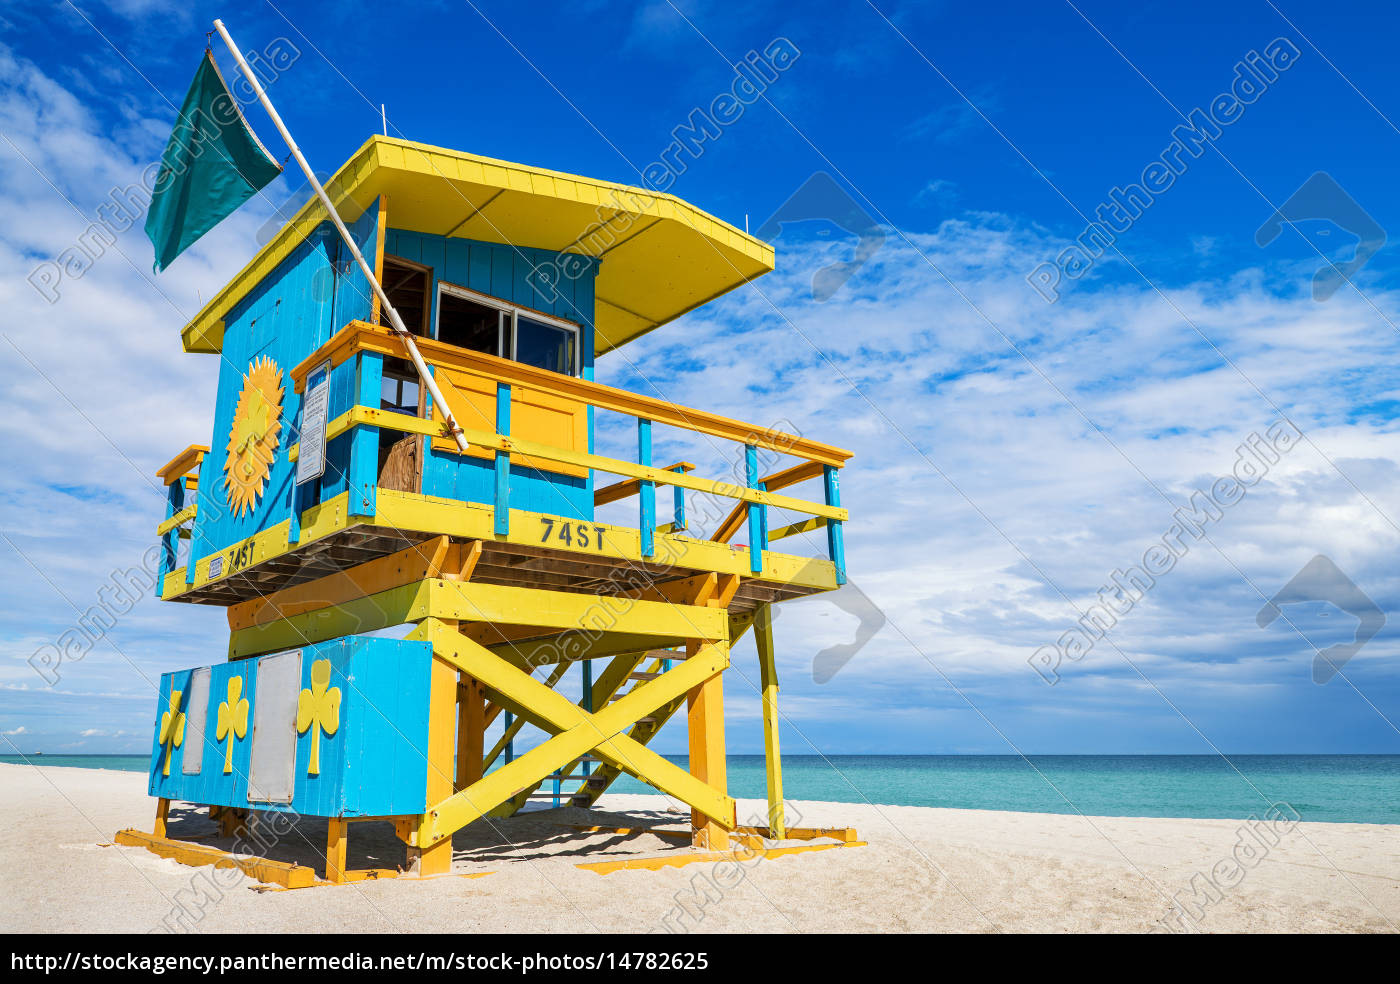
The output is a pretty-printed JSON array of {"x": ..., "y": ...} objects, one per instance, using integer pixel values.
[
  {"x": 471, "y": 729},
  {"x": 471, "y": 601},
  {"x": 415, "y": 563},
  {"x": 768, "y": 681},
  {"x": 540, "y": 762},
  {"x": 806, "y": 526},
  {"x": 382, "y": 610},
  {"x": 608, "y": 683},
  {"x": 554, "y": 711},
  {"x": 705, "y": 721},
  {"x": 514, "y": 729},
  {"x": 434, "y": 857},
  {"x": 572, "y": 646},
  {"x": 337, "y": 831}
]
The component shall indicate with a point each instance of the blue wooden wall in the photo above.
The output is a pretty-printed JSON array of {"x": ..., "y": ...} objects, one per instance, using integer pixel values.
[
  {"x": 310, "y": 296},
  {"x": 507, "y": 272},
  {"x": 373, "y": 765},
  {"x": 292, "y": 312}
]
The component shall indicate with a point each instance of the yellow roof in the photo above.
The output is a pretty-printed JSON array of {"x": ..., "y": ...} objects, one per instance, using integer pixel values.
[{"x": 661, "y": 256}]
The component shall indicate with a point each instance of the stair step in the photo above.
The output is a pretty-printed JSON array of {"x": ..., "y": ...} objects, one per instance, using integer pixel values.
[{"x": 642, "y": 675}]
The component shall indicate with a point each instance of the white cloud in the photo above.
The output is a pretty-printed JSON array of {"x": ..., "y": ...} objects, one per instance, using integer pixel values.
[{"x": 1008, "y": 453}]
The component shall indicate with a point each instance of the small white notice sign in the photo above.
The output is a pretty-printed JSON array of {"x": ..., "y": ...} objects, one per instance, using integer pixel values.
[{"x": 311, "y": 462}]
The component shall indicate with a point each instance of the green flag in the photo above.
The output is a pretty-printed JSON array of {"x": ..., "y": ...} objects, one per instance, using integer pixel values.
[{"x": 212, "y": 164}]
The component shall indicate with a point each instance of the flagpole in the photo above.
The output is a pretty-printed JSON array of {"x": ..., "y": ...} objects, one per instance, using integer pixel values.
[{"x": 395, "y": 321}]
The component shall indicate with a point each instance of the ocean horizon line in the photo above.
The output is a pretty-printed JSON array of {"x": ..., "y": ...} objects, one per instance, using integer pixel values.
[{"x": 1325, "y": 787}]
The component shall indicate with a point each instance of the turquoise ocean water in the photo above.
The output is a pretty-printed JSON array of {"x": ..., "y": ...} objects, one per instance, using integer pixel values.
[{"x": 1331, "y": 788}]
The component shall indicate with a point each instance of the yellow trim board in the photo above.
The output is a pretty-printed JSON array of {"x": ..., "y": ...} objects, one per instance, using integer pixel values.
[
  {"x": 281, "y": 874},
  {"x": 259, "y": 869},
  {"x": 183, "y": 463},
  {"x": 471, "y": 521},
  {"x": 664, "y": 256}
]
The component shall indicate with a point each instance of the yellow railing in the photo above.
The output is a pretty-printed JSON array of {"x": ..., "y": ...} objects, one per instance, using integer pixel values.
[{"x": 753, "y": 498}]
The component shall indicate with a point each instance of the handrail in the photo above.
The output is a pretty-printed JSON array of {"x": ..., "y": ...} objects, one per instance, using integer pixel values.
[
  {"x": 180, "y": 518},
  {"x": 631, "y": 486},
  {"x": 772, "y": 483},
  {"x": 755, "y": 495},
  {"x": 360, "y": 336},
  {"x": 371, "y": 417}
]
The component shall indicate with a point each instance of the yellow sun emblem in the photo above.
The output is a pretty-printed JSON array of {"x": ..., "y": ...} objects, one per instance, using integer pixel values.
[{"x": 257, "y": 428}]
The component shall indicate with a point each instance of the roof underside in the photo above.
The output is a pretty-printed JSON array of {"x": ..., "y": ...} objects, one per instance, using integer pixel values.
[{"x": 661, "y": 257}]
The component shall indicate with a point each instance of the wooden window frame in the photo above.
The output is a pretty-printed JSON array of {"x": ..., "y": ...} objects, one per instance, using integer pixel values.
[{"x": 429, "y": 300}]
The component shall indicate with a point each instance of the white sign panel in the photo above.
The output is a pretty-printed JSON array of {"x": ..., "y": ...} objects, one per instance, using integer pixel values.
[
  {"x": 311, "y": 463},
  {"x": 196, "y": 719},
  {"x": 273, "y": 760}
]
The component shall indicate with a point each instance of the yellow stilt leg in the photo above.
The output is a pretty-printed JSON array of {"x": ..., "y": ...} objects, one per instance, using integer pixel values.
[
  {"x": 162, "y": 814},
  {"x": 471, "y": 731},
  {"x": 705, "y": 713},
  {"x": 442, "y": 722},
  {"x": 768, "y": 677},
  {"x": 233, "y": 821},
  {"x": 336, "y": 837}
]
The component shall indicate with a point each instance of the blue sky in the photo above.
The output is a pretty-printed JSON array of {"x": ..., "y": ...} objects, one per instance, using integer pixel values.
[{"x": 1011, "y": 453}]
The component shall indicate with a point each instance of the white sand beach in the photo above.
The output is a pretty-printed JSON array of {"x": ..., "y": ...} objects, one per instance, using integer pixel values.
[{"x": 923, "y": 870}]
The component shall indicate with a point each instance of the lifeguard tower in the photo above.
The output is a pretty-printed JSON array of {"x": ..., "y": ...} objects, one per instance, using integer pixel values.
[{"x": 330, "y": 503}]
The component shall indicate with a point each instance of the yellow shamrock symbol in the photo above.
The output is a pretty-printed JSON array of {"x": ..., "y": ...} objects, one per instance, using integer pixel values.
[
  {"x": 233, "y": 719},
  {"x": 172, "y": 728},
  {"x": 318, "y": 709}
]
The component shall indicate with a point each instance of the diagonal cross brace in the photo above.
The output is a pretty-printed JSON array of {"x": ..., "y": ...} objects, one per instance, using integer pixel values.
[
  {"x": 609, "y": 682},
  {"x": 578, "y": 733}
]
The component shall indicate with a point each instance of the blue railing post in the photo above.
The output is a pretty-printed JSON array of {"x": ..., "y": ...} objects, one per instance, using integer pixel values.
[
  {"x": 836, "y": 546},
  {"x": 758, "y": 514},
  {"x": 648, "y": 489},
  {"x": 502, "y": 506},
  {"x": 510, "y": 742},
  {"x": 364, "y": 441}
]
